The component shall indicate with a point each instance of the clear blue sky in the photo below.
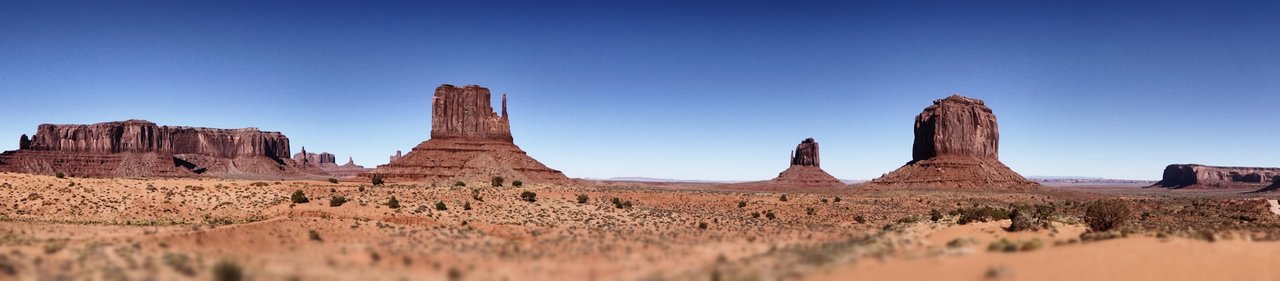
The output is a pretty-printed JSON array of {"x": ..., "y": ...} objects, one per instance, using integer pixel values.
[{"x": 704, "y": 90}]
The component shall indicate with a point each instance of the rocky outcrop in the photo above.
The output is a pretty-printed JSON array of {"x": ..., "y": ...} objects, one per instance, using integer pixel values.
[
  {"x": 956, "y": 146},
  {"x": 24, "y": 142},
  {"x": 323, "y": 164},
  {"x": 804, "y": 170},
  {"x": 1212, "y": 177},
  {"x": 396, "y": 157},
  {"x": 468, "y": 142},
  {"x": 144, "y": 149},
  {"x": 323, "y": 158}
]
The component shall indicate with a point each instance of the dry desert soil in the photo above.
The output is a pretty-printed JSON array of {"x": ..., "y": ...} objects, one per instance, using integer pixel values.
[{"x": 210, "y": 229}]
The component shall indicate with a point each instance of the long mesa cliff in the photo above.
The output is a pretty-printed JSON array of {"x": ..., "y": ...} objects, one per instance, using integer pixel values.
[{"x": 1215, "y": 177}]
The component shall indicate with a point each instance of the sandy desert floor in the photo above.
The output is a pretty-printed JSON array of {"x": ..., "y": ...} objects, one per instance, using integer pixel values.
[{"x": 165, "y": 229}]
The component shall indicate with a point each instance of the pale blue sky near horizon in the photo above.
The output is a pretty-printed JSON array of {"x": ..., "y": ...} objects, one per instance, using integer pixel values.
[{"x": 708, "y": 90}]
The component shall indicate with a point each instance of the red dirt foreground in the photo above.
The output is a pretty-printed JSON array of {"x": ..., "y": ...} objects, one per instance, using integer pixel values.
[
  {"x": 956, "y": 144},
  {"x": 805, "y": 170},
  {"x": 468, "y": 141},
  {"x": 138, "y": 148}
]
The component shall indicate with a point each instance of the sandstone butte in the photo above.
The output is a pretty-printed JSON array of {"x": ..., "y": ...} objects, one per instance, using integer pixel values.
[
  {"x": 326, "y": 164},
  {"x": 138, "y": 148},
  {"x": 956, "y": 146},
  {"x": 469, "y": 141},
  {"x": 1195, "y": 176},
  {"x": 805, "y": 170}
]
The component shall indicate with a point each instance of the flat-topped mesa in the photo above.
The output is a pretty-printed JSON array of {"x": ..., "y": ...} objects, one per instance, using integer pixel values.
[
  {"x": 956, "y": 126},
  {"x": 142, "y": 148},
  {"x": 467, "y": 113},
  {"x": 804, "y": 170},
  {"x": 956, "y": 146},
  {"x": 806, "y": 154},
  {"x": 1213, "y": 177},
  {"x": 468, "y": 142}
]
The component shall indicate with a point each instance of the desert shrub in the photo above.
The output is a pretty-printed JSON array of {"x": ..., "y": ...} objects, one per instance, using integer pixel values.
[
  {"x": 529, "y": 196},
  {"x": 702, "y": 225},
  {"x": 466, "y": 206},
  {"x": 782, "y": 198},
  {"x": 393, "y": 203},
  {"x": 180, "y": 263},
  {"x": 1030, "y": 217},
  {"x": 360, "y": 189},
  {"x": 810, "y": 211},
  {"x": 298, "y": 197},
  {"x": 227, "y": 271},
  {"x": 983, "y": 214},
  {"x": 314, "y": 235},
  {"x": 1003, "y": 245},
  {"x": 496, "y": 181},
  {"x": 1105, "y": 215},
  {"x": 582, "y": 198},
  {"x": 860, "y": 219},
  {"x": 259, "y": 184},
  {"x": 517, "y": 183},
  {"x": 823, "y": 200},
  {"x": 755, "y": 215},
  {"x": 440, "y": 206},
  {"x": 1100, "y": 235},
  {"x": 935, "y": 215},
  {"x": 475, "y": 194},
  {"x": 459, "y": 184},
  {"x": 60, "y": 175},
  {"x": 620, "y": 204},
  {"x": 1031, "y": 245},
  {"x": 742, "y": 204},
  {"x": 333, "y": 180},
  {"x": 769, "y": 214},
  {"x": 377, "y": 180},
  {"x": 337, "y": 200},
  {"x": 837, "y": 199}
]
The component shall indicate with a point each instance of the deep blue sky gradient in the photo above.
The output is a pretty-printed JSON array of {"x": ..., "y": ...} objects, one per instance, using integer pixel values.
[{"x": 689, "y": 90}]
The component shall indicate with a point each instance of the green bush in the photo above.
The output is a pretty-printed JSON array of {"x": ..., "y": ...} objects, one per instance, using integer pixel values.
[
  {"x": 582, "y": 198},
  {"x": 702, "y": 225},
  {"x": 459, "y": 184},
  {"x": 441, "y": 207},
  {"x": 314, "y": 235},
  {"x": 769, "y": 214},
  {"x": 393, "y": 203},
  {"x": 377, "y": 180},
  {"x": 810, "y": 211},
  {"x": 496, "y": 181},
  {"x": 935, "y": 215},
  {"x": 1106, "y": 215},
  {"x": 298, "y": 197},
  {"x": 837, "y": 199},
  {"x": 333, "y": 180},
  {"x": 337, "y": 200},
  {"x": 60, "y": 175},
  {"x": 529, "y": 196},
  {"x": 860, "y": 219},
  {"x": 742, "y": 204},
  {"x": 227, "y": 271},
  {"x": 620, "y": 204},
  {"x": 466, "y": 206},
  {"x": 983, "y": 214},
  {"x": 783, "y": 198},
  {"x": 517, "y": 183}
]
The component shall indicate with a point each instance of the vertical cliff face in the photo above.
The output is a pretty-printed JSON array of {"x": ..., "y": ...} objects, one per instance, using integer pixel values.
[
  {"x": 956, "y": 126},
  {"x": 24, "y": 142},
  {"x": 469, "y": 141},
  {"x": 466, "y": 112},
  {"x": 1201, "y": 176},
  {"x": 806, "y": 154},
  {"x": 956, "y": 146},
  {"x": 142, "y": 148},
  {"x": 804, "y": 170}
]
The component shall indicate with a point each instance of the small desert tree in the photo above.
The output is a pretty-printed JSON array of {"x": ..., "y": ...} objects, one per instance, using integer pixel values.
[
  {"x": 377, "y": 180},
  {"x": 298, "y": 197},
  {"x": 529, "y": 196},
  {"x": 393, "y": 203},
  {"x": 496, "y": 181},
  {"x": 337, "y": 201},
  {"x": 517, "y": 183},
  {"x": 582, "y": 198}
]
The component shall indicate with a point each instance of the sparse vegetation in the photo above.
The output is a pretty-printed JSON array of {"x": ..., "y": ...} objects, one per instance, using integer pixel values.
[
  {"x": 620, "y": 204},
  {"x": 459, "y": 184},
  {"x": 259, "y": 184},
  {"x": 836, "y": 200},
  {"x": 377, "y": 180},
  {"x": 860, "y": 219},
  {"x": 393, "y": 203},
  {"x": 441, "y": 207},
  {"x": 935, "y": 215},
  {"x": 582, "y": 198},
  {"x": 810, "y": 211},
  {"x": 1106, "y": 215},
  {"x": 333, "y": 180},
  {"x": 742, "y": 204},
  {"x": 1031, "y": 217},
  {"x": 529, "y": 196},
  {"x": 313, "y": 235},
  {"x": 782, "y": 198},
  {"x": 496, "y": 181},
  {"x": 180, "y": 263},
  {"x": 769, "y": 215},
  {"x": 980, "y": 214},
  {"x": 517, "y": 183},
  {"x": 60, "y": 175},
  {"x": 702, "y": 225},
  {"x": 466, "y": 206},
  {"x": 337, "y": 200},
  {"x": 298, "y": 197}
]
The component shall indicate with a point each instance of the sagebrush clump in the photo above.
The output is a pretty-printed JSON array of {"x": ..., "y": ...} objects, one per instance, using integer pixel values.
[
  {"x": 1106, "y": 215},
  {"x": 529, "y": 196},
  {"x": 298, "y": 197}
]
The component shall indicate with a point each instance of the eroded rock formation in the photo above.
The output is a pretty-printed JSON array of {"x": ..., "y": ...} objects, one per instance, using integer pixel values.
[
  {"x": 1201, "y": 176},
  {"x": 141, "y": 148},
  {"x": 804, "y": 169},
  {"x": 468, "y": 141},
  {"x": 324, "y": 164},
  {"x": 956, "y": 145}
]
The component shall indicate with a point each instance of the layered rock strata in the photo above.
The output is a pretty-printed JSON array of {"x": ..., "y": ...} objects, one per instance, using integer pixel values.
[
  {"x": 1213, "y": 177},
  {"x": 138, "y": 148},
  {"x": 956, "y": 146},
  {"x": 469, "y": 141}
]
